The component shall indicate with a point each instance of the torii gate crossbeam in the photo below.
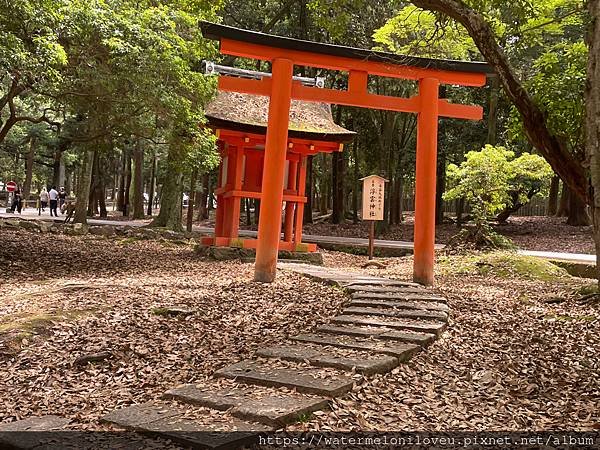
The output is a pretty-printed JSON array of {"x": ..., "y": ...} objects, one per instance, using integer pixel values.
[{"x": 284, "y": 54}]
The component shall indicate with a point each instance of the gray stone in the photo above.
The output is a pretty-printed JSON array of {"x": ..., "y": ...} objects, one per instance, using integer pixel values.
[
  {"x": 166, "y": 422},
  {"x": 29, "y": 433},
  {"x": 303, "y": 380},
  {"x": 133, "y": 416},
  {"x": 382, "y": 333},
  {"x": 359, "y": 282},
  {"x": 47, "y": 227},
  {"x": 433, "y": 306},
  {"x": 276, "y": 410},
  {"x": 368, "y": 365},
  {"x": 214, "y": 436},
  {"x": 399, "y": 296},
  {"x": 393, "y": 312},
  {"x": 41, "y": 423},
  {"x": 29, "y": 225},
  {"x": 386, "y": 289},
  {"x": 102, "y": 230},
  {"x": 436, "y": 328},
  {"x": 401, "y": 351}
]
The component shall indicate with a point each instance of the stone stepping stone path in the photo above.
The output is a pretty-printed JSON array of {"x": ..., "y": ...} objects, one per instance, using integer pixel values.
[{"x": 384, "y": 323}]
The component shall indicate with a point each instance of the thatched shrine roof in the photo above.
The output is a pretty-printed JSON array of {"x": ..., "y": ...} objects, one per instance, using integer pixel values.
[{"x": 249, "y": 113}]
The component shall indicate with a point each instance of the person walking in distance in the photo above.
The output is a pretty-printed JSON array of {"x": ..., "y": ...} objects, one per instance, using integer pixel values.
[
  {"x": 16, "y": 202},
  {"x": 44, "y": 199},
  {"x": 53, "y": 194},
  {"x": 62, "y": 196}
]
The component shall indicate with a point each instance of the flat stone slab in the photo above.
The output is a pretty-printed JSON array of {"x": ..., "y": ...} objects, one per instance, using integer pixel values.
[
  {"x": 397, "y": 296},
  {"x": 424, "y": 327},
  {"x": 274, "y": 410},
  {"x": 31, "y": 432},
  {"x": 360, "y": 281},
  {"x": 303, "y": 380},
  {"x": 369, "y": 365},
  {"x": 135, "y": 415},
  {"x": 168, "y": 422},
  {"x": 41, "y": 423},
  {"x": 422, "y": 339},
  {"x": 401, "y": 351},
  {"x": 385, "y": 303},
  {"x": 191, "y": 434},
  {"x": 394, "y": 289},
  {"x": 393, "y": 312}
]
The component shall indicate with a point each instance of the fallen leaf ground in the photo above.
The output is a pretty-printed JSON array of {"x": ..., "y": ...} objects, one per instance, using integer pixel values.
[
  {"x": 540, "y": 233},
  {"x": 509, "y": 359},
  {"x": 64, "y": 297}
]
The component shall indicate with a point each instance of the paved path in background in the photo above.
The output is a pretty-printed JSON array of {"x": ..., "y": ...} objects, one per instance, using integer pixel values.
[{"x": 581, "y": 258}]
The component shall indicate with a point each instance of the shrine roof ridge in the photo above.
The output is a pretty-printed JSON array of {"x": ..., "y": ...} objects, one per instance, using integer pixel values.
[{"x": 217, "y": 31}]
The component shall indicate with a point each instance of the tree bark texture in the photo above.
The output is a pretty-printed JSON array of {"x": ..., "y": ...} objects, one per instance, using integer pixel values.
[
  {"x": 83, "y": 188},
  {"x": 592, "y": 119},
  {"x": 138, "y": 181},
  {"x": 169, "y": 215},
  {"x": 553, "y": 197}
]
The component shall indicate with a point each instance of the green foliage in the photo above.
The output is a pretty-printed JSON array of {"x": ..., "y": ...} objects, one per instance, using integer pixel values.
[
  {"x": 487, "y": 178},
  {"x": 416, "y": 32},
  {"x": 558, "y": 88}
]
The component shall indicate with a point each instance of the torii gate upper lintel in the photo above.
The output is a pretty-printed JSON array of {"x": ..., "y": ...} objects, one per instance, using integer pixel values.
[{"x": 284, "y": 53}]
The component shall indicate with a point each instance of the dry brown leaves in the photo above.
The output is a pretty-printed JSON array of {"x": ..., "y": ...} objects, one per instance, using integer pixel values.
[
  {"x": 509, "y": 361},
  {"x": 97, "y": 295}
]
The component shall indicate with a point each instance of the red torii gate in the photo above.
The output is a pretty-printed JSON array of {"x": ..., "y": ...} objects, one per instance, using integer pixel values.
[{"x": 284, "y": 54}]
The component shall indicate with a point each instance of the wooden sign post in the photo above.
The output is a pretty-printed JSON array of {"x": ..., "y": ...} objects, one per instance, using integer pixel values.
[{"x": 372, "y": 204}]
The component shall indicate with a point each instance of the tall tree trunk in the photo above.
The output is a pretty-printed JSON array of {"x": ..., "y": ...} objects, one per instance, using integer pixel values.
[
  {"x": 563, "y": 205},
  {"x": 440, "y": 187},
  {"x": 190, "y": 211},
  {"x": 152, "y": 184},
  {"x": 28, "y": 171},
  {"x": 122, "y": 176},
  {"x": 356, "y": 182},
  {"x": 308, "y": 207},
  {"x": 339, "y": 172},
  {"x": 92, "y": 197},
  {"x": 492, "y": 119},
  {"x": 578, "y": 215},
  {"x": 171, "y": 194},
  {"x": 592, "y": 124},
  {"x": 203, "y": 199},
  {"x": 126, "y": 192},
  {"x": 553, "y": 196},
  {"x": 83, "y": 188},
  {"x": 138, "y": 181}
]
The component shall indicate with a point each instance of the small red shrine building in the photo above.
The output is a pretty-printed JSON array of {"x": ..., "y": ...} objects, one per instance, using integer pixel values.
[{"x": 240, "y": 123}]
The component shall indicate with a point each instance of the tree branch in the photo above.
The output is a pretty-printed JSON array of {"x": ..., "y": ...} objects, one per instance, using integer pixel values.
[{"x": 551, "y": 147}]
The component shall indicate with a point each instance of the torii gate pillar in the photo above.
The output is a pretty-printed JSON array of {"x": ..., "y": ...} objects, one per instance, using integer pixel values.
[
  {"x": 269, "y": 221},
  {"x": 427, "y": 136}
]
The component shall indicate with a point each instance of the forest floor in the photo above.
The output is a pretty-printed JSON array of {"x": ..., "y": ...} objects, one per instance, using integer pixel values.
[
  {"x": 542, "y": 233},
  {"x": 520, "y": 352}
]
